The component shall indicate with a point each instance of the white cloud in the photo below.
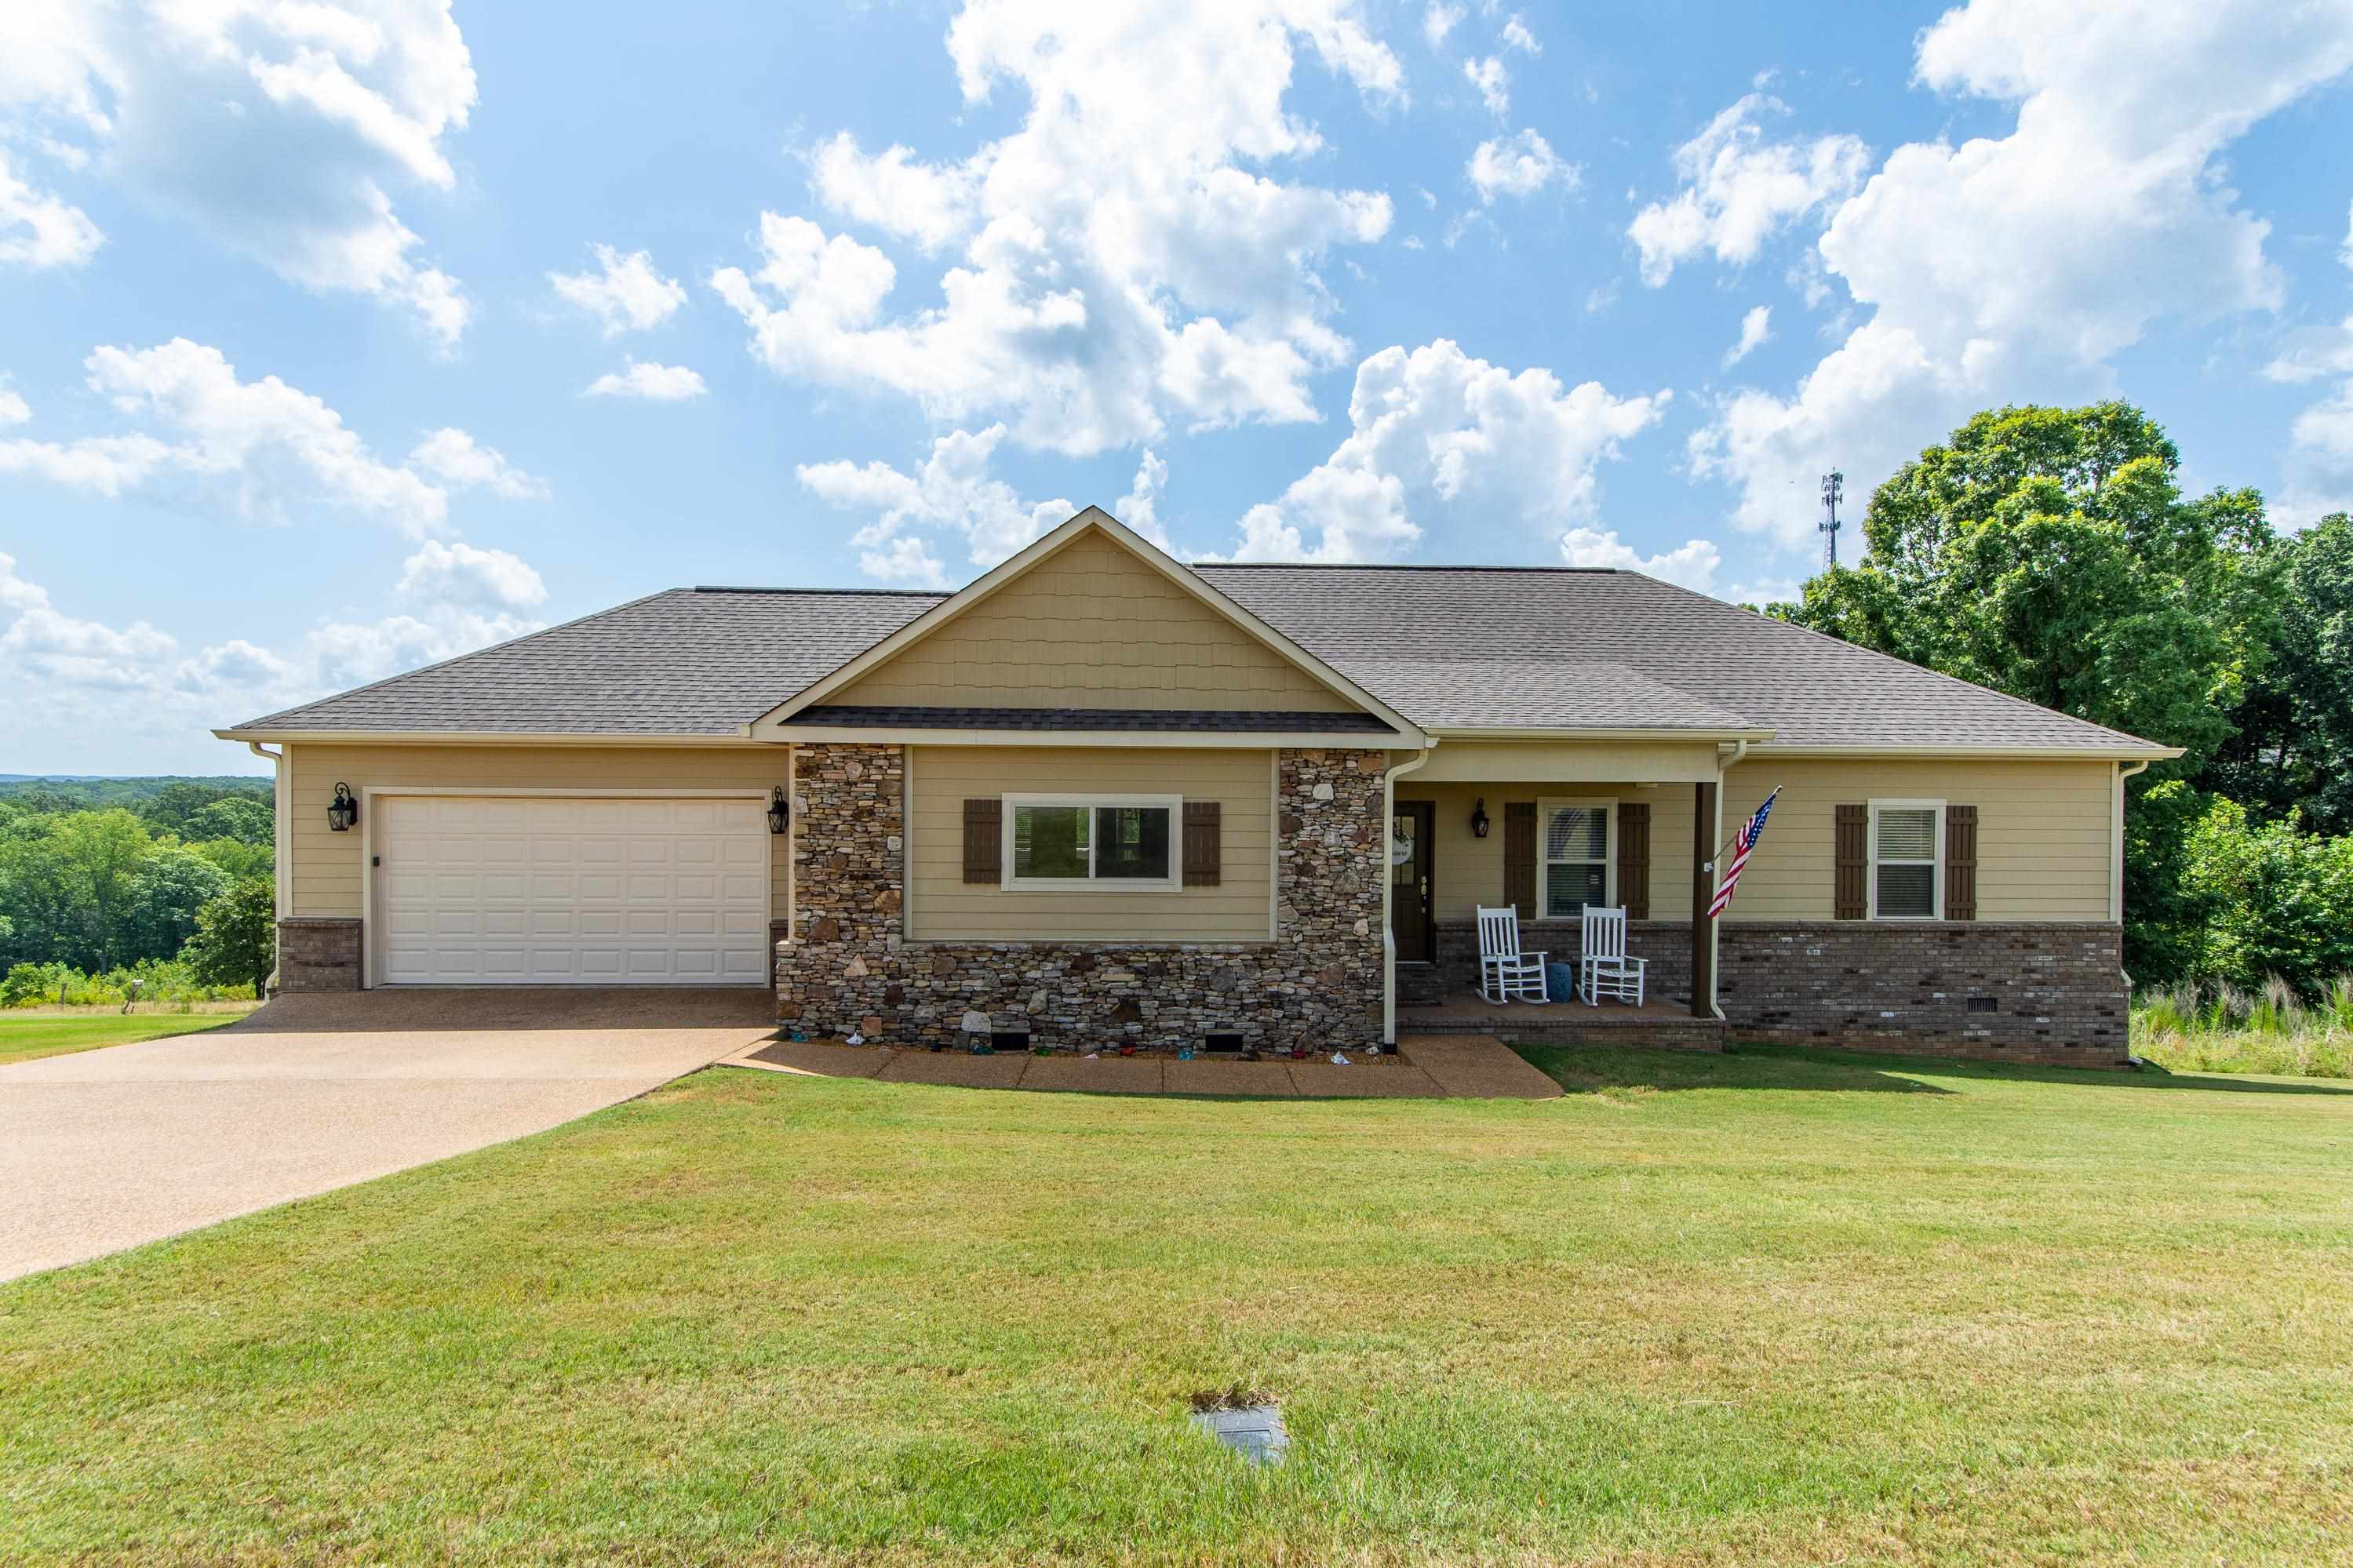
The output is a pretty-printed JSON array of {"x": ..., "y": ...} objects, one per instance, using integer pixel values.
[
  {"x": 1516, "y": 36},
  {"x": 1697, "y": 565},
  {"x": 1517, "y": 165},
  {"x": 1434, "y": 431},
  {"x": 1439, "y": 20},
  {"x": 2014, "y": 267},
  {"x": 39, "y": 229},
  {"x": 644, "y": 379},
  {"x": 1739, "y": 189},
  {"x": 460, "y": 462},
  {"x": 1756, "y": 330},
  {"x": 278, "y": 128},
  {"x": 625, "y": 294},
  {"x": 55, "y": 669},
  {"x": 1121, "y": 259},
  {"x": 458, "y": 574},
  {"x": 1494, "y": 82},
  {"x": 266, "y": 450},
  {"x": 952, "y": 492},
  {"x": 14, "y": 409}
]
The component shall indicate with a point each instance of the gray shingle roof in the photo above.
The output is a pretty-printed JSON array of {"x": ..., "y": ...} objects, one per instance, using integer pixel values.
[
  {"x": 691, "y": 661},
  {"x": 1470, "y": 648},
  {"x": 1471, "y": 634}
]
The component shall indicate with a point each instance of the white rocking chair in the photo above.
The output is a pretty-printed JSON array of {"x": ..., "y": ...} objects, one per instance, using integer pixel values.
[
  {"x": 1504, "y": 972},
  {"x": 1602, "y": 967}
]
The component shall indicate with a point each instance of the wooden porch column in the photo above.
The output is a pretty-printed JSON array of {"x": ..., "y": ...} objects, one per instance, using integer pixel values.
[{"x": 1702, "y": 957}]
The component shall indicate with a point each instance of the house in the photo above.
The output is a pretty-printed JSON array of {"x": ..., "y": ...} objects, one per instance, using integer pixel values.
[{"x": 1099, "y": 794}]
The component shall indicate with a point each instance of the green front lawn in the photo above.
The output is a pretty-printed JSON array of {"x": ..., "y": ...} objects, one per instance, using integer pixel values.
[
  {"x": 25, "y": 1035},
  {"x": 1770, "y": 1308}
]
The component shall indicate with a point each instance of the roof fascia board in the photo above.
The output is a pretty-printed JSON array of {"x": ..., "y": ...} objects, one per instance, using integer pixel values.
[
  {"x": 479, "y": 737},
  {"x": 2022, "y": 753},
  {"x": 1155, "y": 740},
  {"x": 1019, "y": 564}
]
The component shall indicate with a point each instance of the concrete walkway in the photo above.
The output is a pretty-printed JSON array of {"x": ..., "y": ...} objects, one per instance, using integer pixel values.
[
  {"x": 103, "y": 1149},
  {"x": 1429, "y": 1067}
]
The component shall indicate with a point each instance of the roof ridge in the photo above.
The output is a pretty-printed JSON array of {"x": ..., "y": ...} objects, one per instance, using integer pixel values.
[
  {"x": 868, "y": 593},
  {"x": 1405, "y": 566}
]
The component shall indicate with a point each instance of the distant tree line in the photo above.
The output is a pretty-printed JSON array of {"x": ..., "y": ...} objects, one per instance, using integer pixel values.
[
  {"x": 2051, "y": 553},
  {"x": 156, "y": 879}
]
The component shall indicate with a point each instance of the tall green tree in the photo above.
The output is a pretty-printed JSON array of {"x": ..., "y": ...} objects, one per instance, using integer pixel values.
[
  {"x": 2291, "y": 748},
  {"x": 236, "y": 939},
  {"x": 100, "y": 853},
  {"x": 2049, "y": 552},
  {"x": 174, "y": 882}
]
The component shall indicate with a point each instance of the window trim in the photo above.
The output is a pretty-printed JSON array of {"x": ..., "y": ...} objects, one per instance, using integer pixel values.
[
  {"x": 1546, "y": 804},
  {"x": 1172, "y": 883},
  {"x": 1935, "y": 861}
]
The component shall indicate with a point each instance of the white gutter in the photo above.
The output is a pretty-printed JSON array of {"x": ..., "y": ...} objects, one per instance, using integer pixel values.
[
  {"x": 1389, "y": 893},
  {"x": 2116, "y": 843},
  {"x": 282, "y": 835}
]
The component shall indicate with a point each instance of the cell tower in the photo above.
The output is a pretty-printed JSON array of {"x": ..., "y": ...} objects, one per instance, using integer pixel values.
[{"x": 1833, "y": 488}]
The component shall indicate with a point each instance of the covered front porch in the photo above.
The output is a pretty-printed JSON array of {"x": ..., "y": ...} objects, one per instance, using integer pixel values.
[{"x": 1551, "y": 829}]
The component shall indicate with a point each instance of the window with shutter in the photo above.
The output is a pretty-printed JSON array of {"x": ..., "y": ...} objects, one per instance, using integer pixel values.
[{"x": 1907, "y": 842}]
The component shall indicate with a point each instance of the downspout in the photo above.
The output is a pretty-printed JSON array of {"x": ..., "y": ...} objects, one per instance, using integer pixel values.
[
  {"x": 280, "y": 837},
  {"x": 1724, "y": 765},
  {"x": 2116, "y": 843},
  {"x": 1389, "y": 892}
]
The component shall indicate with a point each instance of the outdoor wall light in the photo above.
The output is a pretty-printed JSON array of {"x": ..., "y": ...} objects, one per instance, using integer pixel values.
[
  {"x": 779, "y": 813},
  {"x": 342, "y": 811},
  {"x": 1479, "y": 818}
]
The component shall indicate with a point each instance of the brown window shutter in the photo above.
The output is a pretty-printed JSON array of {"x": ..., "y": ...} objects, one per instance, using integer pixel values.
[
  {"x": 1520, "y": 856},
  {"x": 983, "y": 840},
  {"x": 1634, "y": 861},
  {"x": 1850, "y": 901},
  {"x": 1960, "y": 862},
  {"x": 1205, "y": 854}
]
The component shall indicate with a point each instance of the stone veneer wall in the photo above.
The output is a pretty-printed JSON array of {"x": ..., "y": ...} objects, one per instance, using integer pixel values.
[
  {"x": 317, "y": 952},
  {"x": 2056, "y": 990},
  {"x": 1317, "y": 984}
]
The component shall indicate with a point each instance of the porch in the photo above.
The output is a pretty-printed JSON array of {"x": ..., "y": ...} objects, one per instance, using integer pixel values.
[{"x": 1658, "y": 1021}]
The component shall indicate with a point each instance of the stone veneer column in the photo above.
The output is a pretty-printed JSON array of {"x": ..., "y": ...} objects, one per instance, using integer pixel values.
[{"x": 1316, "y": 985}]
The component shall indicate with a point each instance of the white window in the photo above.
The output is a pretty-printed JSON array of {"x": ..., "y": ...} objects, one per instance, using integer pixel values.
[
  {"x": 1907, "y": 860},
  {"x": 1577, "y": 867},
  {"x": 1105, "y": 842}
]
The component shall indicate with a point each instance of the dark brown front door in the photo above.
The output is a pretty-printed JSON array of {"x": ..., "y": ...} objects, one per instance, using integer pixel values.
[{"x": 1410, "y": 907}]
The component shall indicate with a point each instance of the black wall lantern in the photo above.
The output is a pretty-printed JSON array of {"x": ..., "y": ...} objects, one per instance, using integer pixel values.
[
  {"x": 1479, "y": 818},
  {"x": 342, "y": 811},
  {"x": 779, "y": 813}
]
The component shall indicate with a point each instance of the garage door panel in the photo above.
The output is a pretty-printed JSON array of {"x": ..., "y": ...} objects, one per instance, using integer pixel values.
[{"x": 521, "y": 890}]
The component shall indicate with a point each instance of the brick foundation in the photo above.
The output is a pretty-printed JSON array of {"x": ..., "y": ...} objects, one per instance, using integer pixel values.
[
  {"x": 2056, "y": 991},
  {"x": 318, "y": 953},
  {"x": 1317, "y": 984}
]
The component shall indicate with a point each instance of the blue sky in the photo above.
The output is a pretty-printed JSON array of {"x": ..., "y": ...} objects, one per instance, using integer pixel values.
[{"x": 338, "y": 338}]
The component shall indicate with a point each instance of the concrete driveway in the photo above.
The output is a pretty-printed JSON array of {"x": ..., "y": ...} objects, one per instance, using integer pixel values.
[{"x": 103, "y": 1149}]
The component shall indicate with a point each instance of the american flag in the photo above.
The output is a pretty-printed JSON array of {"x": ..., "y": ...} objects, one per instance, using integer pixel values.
[{"x": 1743, "y": 844}]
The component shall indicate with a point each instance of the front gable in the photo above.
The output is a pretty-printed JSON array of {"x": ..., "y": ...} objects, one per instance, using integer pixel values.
[{"x": 1089, "y": 620}]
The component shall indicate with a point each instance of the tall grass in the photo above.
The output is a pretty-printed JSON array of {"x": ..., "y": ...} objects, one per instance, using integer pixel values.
[{"x": 2226, "y": 1029}]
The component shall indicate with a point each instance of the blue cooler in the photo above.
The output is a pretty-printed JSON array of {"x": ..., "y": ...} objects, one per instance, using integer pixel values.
[{"x": 1560, "y": 982}]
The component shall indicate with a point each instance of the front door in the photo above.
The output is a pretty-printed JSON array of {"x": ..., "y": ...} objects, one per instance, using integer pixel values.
[{"x": 1409, "y": 907}]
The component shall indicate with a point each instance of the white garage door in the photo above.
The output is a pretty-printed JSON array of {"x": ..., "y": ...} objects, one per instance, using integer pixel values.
[{"x": 480, "y": 889}]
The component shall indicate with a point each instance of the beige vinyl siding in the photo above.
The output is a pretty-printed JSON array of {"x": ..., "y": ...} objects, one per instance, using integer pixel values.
[
  {"x": 327, "y": 864},
  {"x": 944, "y": 907},
  {"x": 2043, "y": 831},
  {"x": 1093, "y": 626},
  {"x": 1468, "y": 871}
]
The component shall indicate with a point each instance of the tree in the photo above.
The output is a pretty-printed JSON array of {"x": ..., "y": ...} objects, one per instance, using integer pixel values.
[
  {"x": 239, "y": 858},
  {"x": 238, "y": 817},
  {"x": 236, "y": 937},
  {"x": 169, "y": 887},
  {"x": 100, "y": 853},
  {"x": 2294, "y": 725},
  {"x": 2274, "y": 898},
  {"x": 2048, "y": 553},
  {"x": 173, "y": 808}
]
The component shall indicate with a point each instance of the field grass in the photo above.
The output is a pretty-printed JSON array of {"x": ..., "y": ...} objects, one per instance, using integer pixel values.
[
  {"x": 25, "y": 1035},
  {"x": 2228, "y": 1030},
  {"x": 1776, "y": 1307}
]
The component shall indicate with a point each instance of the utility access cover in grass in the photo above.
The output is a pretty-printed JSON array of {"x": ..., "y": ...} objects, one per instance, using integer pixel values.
[{"x": 1253, "y": 1431}]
